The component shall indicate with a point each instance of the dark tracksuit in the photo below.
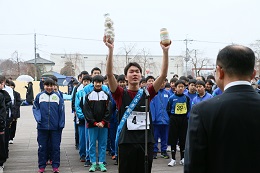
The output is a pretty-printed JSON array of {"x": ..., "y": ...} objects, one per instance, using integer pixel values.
[
  {"x": 48, "y": 110},
  {"x": 15, "y": 113},
  {"x": 8, "y": 120},
  {"x": 178, "y": 108},
  {"x": 2, "y": 129},
  {"x": 131, "y": 144}
]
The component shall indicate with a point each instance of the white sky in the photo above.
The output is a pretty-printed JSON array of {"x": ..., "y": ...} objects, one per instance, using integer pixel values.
[{"x": 224, "y": 21}]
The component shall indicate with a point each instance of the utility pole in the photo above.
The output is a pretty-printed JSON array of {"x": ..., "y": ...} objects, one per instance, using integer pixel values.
[
  {"x": 18, "y": 63},
  {"x": 187, "y": 58},
  {"x": 35, "y": 55},
  {"x": 196, "y": 74},
  {"x": 177, "y": 65}
]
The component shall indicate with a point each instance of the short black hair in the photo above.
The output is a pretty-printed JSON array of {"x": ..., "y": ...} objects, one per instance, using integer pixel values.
[
  {"x": 54, "y": 78},
  {"x": 209, "y": 81},
  {"x": 12, "y": 84},
  {"x": 211, "y": 77},
  {"x": 135, "y": 64},
  {"x": 98, "y": 78},
  {"x": 179, "y": 82},
  {"x": 142, "y": 80},
  {"x": 84, "y": 73},
  {"x": 236, "y": 60},
  {"x": 184, "y": 78},
  {"x": 189, "y": 77},
  {"x": 173, "y": 80},
  {"x": 121, "y": 78},
  {"x": 49, "y": 81},
  {"x": 175, "y": 75},
  {"x": 87, "y": 77},
  {"x": 7, "y": 82},
  {"x": 149, "y": 77},
  {"x": 200, "y": 82},
  {"x": 95, "y": 68},
  {"x": 192, "y": 81},
  {"x": 167, "y": 85}
]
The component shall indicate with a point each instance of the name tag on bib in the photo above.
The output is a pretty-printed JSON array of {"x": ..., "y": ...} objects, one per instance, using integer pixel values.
[{"x": 136, "y": 121}]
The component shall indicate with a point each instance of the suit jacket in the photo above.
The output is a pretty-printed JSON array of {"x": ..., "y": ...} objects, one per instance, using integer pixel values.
[{"x": 223, "y": 133}]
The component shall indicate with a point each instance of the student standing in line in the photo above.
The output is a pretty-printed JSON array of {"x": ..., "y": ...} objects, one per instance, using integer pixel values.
[{"x": 48, "y": 111}]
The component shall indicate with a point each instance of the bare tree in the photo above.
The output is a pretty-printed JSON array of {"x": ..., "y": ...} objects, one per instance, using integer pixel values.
[
  {"x": 198, "y": 63},
  {"x": 128, "y": 51},
  {"x": 145, "y": 61},
  {"x": 256, "y": 48},
  {"x": 68, "y": 69}
]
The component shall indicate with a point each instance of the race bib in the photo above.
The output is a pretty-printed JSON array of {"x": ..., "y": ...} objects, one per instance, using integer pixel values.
[
  {"x": 136, "y": 121},
  {"x": 180, "y": 108}
]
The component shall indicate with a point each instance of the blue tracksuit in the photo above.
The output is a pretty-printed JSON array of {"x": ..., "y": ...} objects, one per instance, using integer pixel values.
[
  {"x": 48, "y": 111},
  {"x": 198, "y": 99},
  {"x": 216, "y": 92},
  {"x": 160, "y": 119},
  {"x": 82, "y": 129},
  {"x": 96, "y": 109}
]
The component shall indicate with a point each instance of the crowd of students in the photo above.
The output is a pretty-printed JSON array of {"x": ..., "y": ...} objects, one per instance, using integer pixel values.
[{"x": 110, "y": 111}]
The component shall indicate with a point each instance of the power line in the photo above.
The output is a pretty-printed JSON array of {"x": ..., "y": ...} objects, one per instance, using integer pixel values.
[
  {"x": 16, "y": 34},
  {"x": 89, "y": 39}
]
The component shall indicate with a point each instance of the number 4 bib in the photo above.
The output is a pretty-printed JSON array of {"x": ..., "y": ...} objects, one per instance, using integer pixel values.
[{"x": 136, "y": 121}]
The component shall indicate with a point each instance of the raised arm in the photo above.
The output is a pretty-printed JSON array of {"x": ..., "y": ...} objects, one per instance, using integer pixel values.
[
  {"x": 109, "y": 70},
  {"x": 164, "y": 69}
]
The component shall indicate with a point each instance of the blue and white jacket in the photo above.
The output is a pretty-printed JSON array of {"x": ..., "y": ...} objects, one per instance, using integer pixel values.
[
  {"x": 79, "y": 104},
  {"x": 48, "y": 111},
  {"x": 96, "y": 108},
  {"x": 158, "y": 108}
]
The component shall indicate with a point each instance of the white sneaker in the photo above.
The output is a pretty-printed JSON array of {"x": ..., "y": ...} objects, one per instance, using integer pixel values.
[
  {"x": 11, "y": 142},
  {"x": 172, "y": 162},
  {"x": 182, "y": 161},
  {"x": 1, "y": 169}
]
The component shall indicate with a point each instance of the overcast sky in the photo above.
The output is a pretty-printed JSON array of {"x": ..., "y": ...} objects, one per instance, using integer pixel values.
[{"x": 77, "y": 26}]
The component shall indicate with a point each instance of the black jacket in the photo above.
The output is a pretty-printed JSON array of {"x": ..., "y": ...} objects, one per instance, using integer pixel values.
[
  {"x": 29, "y": 93},
  {"x": 223, "y": 133},
  {"x": 96, "y": 108},
  {"x": 15, "y": 113},
  {"x": 2, "y": 113}
]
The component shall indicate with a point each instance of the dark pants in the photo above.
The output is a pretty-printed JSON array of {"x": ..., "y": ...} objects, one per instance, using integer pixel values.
[
  {"x": 7, "y": 137},
  {"x": 112, "y": 134},
  {"x": 160, "y": 131},
  {"x": 177, "y": 131},
  {"x": 43, "y": 138},
  {"x": 131, "y": 158},
  {"x": 13, "y": 129},
  {"x": 2, "y": 149}
]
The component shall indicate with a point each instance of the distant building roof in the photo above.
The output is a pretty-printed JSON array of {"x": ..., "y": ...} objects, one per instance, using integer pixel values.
[{"x": 40, "y": 60}]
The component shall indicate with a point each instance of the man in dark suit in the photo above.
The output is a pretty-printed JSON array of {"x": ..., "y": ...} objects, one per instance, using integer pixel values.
[{"x": 223, "y": 132}]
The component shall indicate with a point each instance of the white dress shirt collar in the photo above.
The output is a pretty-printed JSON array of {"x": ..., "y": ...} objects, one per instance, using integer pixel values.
[{"x": 236, "y": 83}]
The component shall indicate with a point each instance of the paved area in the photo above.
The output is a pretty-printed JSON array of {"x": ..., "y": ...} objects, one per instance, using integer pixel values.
[{"x": 23, "y": 153}]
